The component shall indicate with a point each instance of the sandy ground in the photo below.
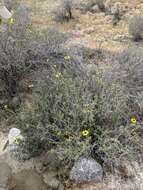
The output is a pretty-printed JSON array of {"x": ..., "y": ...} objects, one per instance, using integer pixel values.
[{"x": 91, "y": 30}]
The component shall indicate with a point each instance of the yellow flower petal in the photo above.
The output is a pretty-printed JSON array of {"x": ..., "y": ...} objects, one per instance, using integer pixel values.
[
  {"x": 67, "y": 58},
  {"x": 6, "y": 107},
  {"x": 85, "y": 133},
  {"x": 133, "y": 120},
  {"x": 11, "y": 21},
  {"x": 58, "y": 75}
]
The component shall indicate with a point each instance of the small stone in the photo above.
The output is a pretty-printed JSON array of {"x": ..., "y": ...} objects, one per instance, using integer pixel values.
[
  {"x": 86, "y": 170},
  {"x": 5, "y": 175}
]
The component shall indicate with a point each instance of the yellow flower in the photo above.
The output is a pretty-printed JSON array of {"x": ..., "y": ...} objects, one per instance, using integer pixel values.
[
  {"x": 85, "y": 133},
  {"x": 69, "y": 139},
  {"x": 133, "y": 120},
  {"x": 67, "y": 57},
  {"x": 31, "y": 86},
  {"x": 88, "y": 110},
  {"x": 99, "y": 81},
  {"x": 59, "y": 133},
  {"x": 30, "y": 31},
  {"x": 17, "y": 141},
  {"x": 11, "y": 21},
  {"x": 6, "y": 107},
  {"x": 58, "y": 75}
]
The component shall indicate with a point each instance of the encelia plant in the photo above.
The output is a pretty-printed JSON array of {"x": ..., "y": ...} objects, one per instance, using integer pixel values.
[{"x": 79, "y": 115}]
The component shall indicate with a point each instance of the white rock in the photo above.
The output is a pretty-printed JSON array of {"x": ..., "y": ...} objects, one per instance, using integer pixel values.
[
  {"x": 86, "y": 170},
  {"x": 14, "y": 134},
  {"x": 4, "y": 13}
]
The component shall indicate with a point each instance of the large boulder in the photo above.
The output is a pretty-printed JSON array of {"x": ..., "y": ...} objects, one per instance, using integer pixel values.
[
  {"x": 86, "y": 170},
  {"x": 5, "y": 176}
]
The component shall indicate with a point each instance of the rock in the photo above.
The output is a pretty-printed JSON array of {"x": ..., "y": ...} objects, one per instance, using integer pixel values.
[
  {"x": 86, "y": 170},
  {"x": 4, "y": 13},
  {"x": 28, "y": 180},
  {"x": 13, "y": 135},
  {"x": 95, "y": 9},
  {"x": 5, "y": 176}
]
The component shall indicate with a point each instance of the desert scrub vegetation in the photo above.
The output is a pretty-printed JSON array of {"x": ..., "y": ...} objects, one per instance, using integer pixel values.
[
  {"x": 63, "y": 12},
  {"x": 14, "y": 45},
  {"x": 23, "y": 50},
  {"x": 100, "y": 4},
  {"x": 76, "y": 111},
  {"x": 78, "y": 115},
  {"x": 86, "y": 6},
  {"x": 136, "y": 27}
]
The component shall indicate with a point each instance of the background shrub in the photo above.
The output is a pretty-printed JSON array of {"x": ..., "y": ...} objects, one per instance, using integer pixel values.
[
  {"x": 64, "y": 12},
  {"x": 136, "y": 27},
  {"x": 23, "y": 48},
  {"x": 14, "y": 44},
  {"x": 101, "y": 4},
  {"x": 129, "y": 63}
]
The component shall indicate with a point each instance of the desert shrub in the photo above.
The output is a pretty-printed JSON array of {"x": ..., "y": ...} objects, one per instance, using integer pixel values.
[
  {"x": 101, "y": 4},
  {"x": 108, "y": 6},
  {"x": 86, "y": 6},
  {"x": 129, "y": 63},
  {"x": 117, "y": 11},
  {"x": 23, "y": 49},
  {"x": 64, "y": 12},
  {"x": 14, "y": 43},
  {"x": 136, "y": 27},
  {"x": 78, "y": 114}
]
